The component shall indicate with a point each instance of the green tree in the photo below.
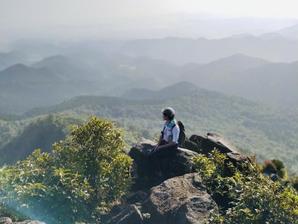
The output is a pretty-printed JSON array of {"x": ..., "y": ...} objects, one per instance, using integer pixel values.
[{"x": 83, "y": 176}]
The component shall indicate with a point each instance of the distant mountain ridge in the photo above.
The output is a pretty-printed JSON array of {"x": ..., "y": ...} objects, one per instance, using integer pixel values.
[
  {"x": 174, "y": 91},
  {"x": 290, "y": 32},
  {"x": 24, "y": 87},
  {"x": 10, "y": 58},
  {"x": 223, "y": 66},
  {"x": 182, "y": 50},
  {"x": 251, "y": 78},
  {"x": 60, "y": 77},
  {"x": 97, "y": 73},
  {"x": 23, "y": 74}
]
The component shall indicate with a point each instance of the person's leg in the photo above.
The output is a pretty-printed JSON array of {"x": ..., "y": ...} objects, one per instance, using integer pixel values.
[
  {"x": 160, "y": 155},
  {"x": 169, "y": 151}
]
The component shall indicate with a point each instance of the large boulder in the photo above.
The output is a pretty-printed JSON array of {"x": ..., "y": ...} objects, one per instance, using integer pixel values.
[
  {"x": 210, "y": 141},
  {"x": 206, "y": 144},
  {"x": 7, "y": 220},
  {"x": 144, "y": 171},
  {"x": 178, "y": 200},
  {"x": 29, "y": 222}
]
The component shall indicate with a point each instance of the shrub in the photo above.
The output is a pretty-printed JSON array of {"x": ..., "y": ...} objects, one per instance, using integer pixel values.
[
  {"x": 246, "y": 198},
  {"x": 294, "y": 182},
  {"x": 83, "y": 176}
]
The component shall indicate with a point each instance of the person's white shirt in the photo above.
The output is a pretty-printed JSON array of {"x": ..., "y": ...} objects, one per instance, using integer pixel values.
[{"x": 171, "y": 131}]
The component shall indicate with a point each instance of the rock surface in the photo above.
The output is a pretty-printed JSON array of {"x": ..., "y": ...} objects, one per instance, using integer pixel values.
[
  {"x": 180, "y": 200},
  {"x": 178, "y": 195},
  {"x": 145, "y": 173},
  {"x": 210, "y": 141},
  {"x": 7, "y": 220},
  {"x": 29, "y": 222}
]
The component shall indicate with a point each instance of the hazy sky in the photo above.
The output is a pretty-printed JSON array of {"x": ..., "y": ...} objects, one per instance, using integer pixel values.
[
  {"x": 17, "y": 16},
  {"x": 18, "y": 13}
]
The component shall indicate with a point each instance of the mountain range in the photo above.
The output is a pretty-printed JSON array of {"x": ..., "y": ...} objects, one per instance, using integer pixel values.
[
  {"x": 290, "y": 32},
  {"x": 184, "y": 50},
  {"x": 254, "y": 128},
  {"x": 61, "y": 77},
  {"x": 10, "y": 58},
  {"x": 251, "y": 78}
]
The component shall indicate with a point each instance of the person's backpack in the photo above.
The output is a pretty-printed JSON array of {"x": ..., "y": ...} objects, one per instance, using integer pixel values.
[{"x": 182, "y": 135}]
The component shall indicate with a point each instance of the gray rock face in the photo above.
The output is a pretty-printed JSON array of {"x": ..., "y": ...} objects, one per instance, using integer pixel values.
[
  {"x": 180, "y": 200},
  {"x": 210, "y": 141},
  {"x": 178, "y": 195},
  {"x": 29, "y": 222},
  {"x": 7, "y": 220},
  {"x": 129, "y": 215},
  {"x": 213, "y": 141},
  {"x": 145, "y": 172}
]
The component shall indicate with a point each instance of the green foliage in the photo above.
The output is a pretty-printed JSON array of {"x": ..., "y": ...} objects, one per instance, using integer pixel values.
[
  {"x": 294, "y": 182},
  {"x": 204, "y": 165},
  {"x": 246, "y": 196},
  {"x": 268, "y": 132},
  {"x": 21, "y": 138},
  {"x": 83, "y": 176}
]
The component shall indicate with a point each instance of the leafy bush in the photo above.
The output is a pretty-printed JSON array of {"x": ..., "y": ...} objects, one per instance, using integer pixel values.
[
  {"x": 83, "y": 176},
  {"x": 246, "y": 197}
]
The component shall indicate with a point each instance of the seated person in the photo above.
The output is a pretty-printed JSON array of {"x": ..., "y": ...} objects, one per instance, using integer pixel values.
[{"x": 168, "y": 142}]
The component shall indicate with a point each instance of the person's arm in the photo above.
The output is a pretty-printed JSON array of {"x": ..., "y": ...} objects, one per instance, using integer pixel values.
[
  {"x": 175, "y": 132},
  {"x": 161, "y": 136},
  {"x": 160, "y": 139}
]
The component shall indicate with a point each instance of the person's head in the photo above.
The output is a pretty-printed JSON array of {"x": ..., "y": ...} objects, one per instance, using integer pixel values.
[{"x": 168, "y": 113}]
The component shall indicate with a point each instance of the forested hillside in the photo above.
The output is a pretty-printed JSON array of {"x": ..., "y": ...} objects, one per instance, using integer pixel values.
[
  {"x": 269, "y": 132},
  {"x": 37, "y": 133},
  {"x": 89, "y": 177}
]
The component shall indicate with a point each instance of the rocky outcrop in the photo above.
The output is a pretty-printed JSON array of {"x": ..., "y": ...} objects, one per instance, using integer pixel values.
[
  {"x": 205, "y": 144},
  {"x": 29, "y": 222},
  {"x": 179, "y": 163},
  {"x": 178, "y": 200},
  {"x": 146, "y": 173},
  {"x": 7, "y": 220},
  {"x": 177, "y": 195}
]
